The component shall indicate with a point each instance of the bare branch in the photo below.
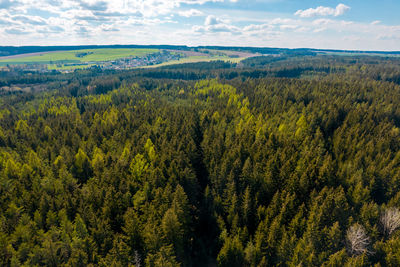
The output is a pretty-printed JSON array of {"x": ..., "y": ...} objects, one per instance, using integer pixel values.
[
  {"x": 137, "y": 259},
  {"x": 357, "y": 239},
  {"x": 390, "y": 220}
]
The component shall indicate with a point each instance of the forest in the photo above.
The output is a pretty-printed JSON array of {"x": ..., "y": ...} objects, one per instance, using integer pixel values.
[{"x": 273, "y": 161}]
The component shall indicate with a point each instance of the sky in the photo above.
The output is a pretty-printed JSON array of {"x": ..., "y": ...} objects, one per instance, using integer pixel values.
[{"x": 324, "y": 24}]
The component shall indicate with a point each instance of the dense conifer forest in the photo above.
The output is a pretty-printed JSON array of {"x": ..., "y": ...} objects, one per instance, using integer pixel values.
[{"x": 274, "y": 161}]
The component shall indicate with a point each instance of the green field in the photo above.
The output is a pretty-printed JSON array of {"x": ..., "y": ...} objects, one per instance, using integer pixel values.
[
  {"x": 87, "y": 55},
  {"x": 195, "y": 59}
]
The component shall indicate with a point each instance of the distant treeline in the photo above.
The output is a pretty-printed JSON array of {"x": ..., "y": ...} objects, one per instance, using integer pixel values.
[{"x": 16, "y": 50}]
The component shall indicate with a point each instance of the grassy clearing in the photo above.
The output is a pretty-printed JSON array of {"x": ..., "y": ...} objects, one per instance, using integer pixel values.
[{"x": 87, "y": 55}]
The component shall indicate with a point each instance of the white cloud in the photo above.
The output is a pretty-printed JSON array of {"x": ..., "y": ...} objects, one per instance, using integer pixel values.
[
  {"x": 323, "y": 11},
  {"x": 282, "y": 21},
  {"x": 212, "y": 24},
  {"x": 341, "y": 9},
  {"x": 50, "y": 22},
  {"x": 303, "y": 29},
  {"x": 32, "y": 20},
  {"x": 320, "y": 29},
  {"x": 322, "y": 21},
  {"x": 258, "y": 27},
  {"x": 190, "y": 13},
  {"x": 386, "y": 37},
  {"x": 149, "y": 8},
  {"x": 288, "y": 27},
  {"x": 153, "y": 7},
  {"x": 212, "y": 20},
  {"x": 17, "y": 30},
  {"x": 108, "y": 28}
]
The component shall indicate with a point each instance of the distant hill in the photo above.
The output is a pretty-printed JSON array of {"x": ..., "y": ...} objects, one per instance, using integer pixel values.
[{"x": 15, "y": 50}]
